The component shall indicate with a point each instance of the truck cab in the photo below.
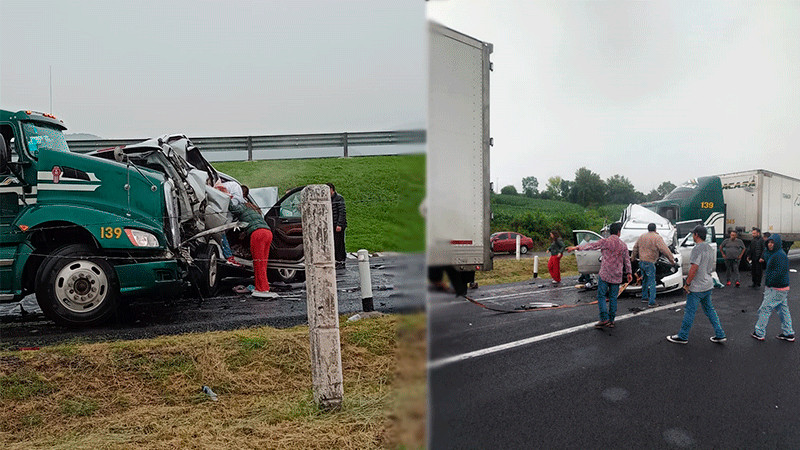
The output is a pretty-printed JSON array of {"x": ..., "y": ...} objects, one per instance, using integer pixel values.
[
  {"x": 79, "y": 232},
  {"x": 698, "y": 199}
]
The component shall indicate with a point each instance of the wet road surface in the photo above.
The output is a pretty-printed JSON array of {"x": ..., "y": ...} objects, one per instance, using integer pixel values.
[
  {"x": 397, "y": 287},
  {"x": 548, "y": 379}
]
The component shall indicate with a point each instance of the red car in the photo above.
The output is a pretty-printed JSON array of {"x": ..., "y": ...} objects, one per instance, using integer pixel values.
[{"x": 506, "y": 241}]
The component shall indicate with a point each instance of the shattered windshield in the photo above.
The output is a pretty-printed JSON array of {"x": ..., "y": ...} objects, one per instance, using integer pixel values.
[{"x": 39, "y": 136}]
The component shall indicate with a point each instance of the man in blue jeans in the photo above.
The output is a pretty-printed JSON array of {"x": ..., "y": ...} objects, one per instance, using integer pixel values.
[
  {"x": 776, "y": 291},
  {"x": 647, "y": 249},
  {"x": 699, "y": 285},
  {"x": 615, "y": 264}
]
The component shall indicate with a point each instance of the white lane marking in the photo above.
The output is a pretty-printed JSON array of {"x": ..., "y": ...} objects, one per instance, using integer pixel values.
[
  {"x": 517, "y": 294},
  {"x": 493, "y": 297},
  {"x": 436, "y": 364}
]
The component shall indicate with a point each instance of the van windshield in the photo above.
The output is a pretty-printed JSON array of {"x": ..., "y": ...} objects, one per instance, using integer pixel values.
[{"x": 40, "y": 136}]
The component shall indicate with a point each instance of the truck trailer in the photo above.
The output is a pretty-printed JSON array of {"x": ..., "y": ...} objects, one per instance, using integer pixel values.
[
  {"x": 737, "y": 201},
  {"x": 458, "y": 189}
]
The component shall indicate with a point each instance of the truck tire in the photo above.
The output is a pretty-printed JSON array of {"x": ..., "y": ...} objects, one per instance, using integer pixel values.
[
  {"x": 208, "y": 265},
  {"x": 211, "y": 275},
  {"x": 75, "y": 287}
]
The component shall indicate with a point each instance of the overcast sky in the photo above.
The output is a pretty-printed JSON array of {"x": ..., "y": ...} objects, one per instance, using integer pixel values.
[
  {"x": 130, "y": 69},
  {"x": 654, "y": 91}
]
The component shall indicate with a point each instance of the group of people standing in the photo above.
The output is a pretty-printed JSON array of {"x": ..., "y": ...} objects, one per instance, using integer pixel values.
[
  {"x": 733, "y": 250},
  {"x": 615, "y": 267}
]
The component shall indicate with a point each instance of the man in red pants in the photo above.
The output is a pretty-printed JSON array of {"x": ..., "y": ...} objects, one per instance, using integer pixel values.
[{"x": 260, "y": 239}]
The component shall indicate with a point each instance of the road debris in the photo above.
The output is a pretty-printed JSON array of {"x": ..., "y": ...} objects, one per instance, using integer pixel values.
[{"x": 207, "y": 390}]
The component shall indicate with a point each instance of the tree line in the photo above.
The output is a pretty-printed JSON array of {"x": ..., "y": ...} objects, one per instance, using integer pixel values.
[{"x": 588, "y": 189}]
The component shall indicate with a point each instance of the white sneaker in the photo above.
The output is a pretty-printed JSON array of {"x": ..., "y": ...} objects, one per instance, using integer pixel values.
[{"x": 264, "y": 294}]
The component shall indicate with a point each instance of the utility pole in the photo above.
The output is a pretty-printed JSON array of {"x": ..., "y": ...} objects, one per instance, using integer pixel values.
[{"x": 51, "y": 89}]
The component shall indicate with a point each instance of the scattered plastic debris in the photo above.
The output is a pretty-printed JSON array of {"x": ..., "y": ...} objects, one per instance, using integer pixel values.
[
  {"x": 207, "y": 390},
  {"x": 536, "y": 305}
]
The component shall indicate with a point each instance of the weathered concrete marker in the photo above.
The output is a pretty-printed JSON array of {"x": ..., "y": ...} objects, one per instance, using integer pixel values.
[
  {"x": 536, "y": 266},
  {"x": 322, "y": 303}
]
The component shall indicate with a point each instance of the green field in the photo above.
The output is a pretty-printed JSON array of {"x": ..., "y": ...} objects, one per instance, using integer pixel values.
[
  {"x": 535, "y": 217},
  {"x": 382, "y": 194}
]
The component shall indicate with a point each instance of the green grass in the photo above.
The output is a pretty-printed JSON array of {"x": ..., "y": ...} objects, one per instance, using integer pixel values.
[
  {"x": 24, "y": 385},
  {"x": 535, "y": 217},
  {"x": 78, "y": 407},
  {"x": 382, "y": 194}
]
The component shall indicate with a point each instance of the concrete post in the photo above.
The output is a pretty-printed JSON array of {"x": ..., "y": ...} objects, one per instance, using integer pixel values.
[
  {"x": 536, "y": 266},
  {"x": 517, "y": 247},
  {"x": 366, "y": 281},
  {"x": 322, "y": 303},
  {"x": 345, "y": 144}
]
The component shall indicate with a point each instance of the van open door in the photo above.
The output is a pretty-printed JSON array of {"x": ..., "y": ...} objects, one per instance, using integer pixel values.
[{"x": 588, "y": 260}]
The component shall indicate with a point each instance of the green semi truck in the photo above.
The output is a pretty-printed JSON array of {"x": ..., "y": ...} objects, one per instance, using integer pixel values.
[
  {"x": 736, "y": 201},
  {"x": 86, "y": 232}
]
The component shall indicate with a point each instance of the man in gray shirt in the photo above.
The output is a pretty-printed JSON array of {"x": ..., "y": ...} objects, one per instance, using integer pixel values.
[
  {"x": 699, "y": 285},
  {"x": 732, "y": 249}
]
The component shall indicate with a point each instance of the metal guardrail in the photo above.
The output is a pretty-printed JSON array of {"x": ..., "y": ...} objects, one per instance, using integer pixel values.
[{"x": 249, "y": 144}]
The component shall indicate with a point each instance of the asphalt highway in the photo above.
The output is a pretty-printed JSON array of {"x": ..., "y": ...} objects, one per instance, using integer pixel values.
[
  {"x": 397, "y": 287},
  {"x": 547, "y": 379}
]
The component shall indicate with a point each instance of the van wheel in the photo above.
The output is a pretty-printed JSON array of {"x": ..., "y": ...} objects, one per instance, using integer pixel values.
[
  {"x": 286, "y": 275},
  {"x": 75, "y": 287}
]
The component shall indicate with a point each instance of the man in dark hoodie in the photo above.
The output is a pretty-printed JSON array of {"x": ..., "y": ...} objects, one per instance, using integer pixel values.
[{"x": 776, "y": 291}]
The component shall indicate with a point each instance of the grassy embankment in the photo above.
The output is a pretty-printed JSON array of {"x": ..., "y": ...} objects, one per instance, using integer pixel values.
[
  {"x": 382, "y": 194},
  {"x": 147, "y": 393},
  {"x": 535, "y": 218}
]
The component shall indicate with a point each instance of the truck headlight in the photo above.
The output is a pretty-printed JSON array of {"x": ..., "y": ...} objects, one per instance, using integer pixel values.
[{"x": 141, "y": 238}]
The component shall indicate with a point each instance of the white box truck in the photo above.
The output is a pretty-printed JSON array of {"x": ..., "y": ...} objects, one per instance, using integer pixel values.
[
  {"x": 739, "y": 201},
  {"x": 457, "y": 203},
  {"x": 763, "y": 199}
]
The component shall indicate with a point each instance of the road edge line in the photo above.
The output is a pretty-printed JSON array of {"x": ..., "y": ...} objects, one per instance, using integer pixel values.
[{"x": 439, "y": 363}]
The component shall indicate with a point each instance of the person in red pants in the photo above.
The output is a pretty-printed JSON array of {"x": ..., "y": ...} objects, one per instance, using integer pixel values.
[
  {"x": 556, "y": 252},
  {"x": 260, "y": 239}
]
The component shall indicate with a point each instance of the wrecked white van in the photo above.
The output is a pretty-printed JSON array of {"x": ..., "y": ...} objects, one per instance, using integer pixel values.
[{"x": 669, "y": 273}]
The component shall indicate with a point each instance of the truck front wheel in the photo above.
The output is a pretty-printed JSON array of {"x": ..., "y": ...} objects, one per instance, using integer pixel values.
[
  {"x": 209, "y": 267},
  {"x": 75, "y": 287}
]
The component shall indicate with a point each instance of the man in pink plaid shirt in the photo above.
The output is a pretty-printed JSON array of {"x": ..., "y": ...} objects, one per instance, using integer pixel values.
[{"x": 615, "y": 262}]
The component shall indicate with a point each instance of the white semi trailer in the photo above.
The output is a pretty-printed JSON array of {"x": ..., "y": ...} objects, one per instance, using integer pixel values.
[
  {"x": 457, "y": 203},
  {"x": 763, "y": 199}
]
